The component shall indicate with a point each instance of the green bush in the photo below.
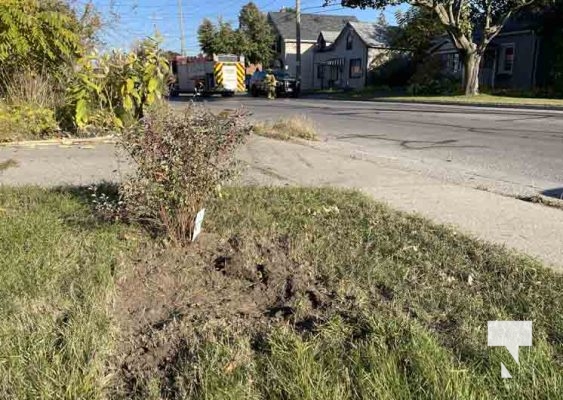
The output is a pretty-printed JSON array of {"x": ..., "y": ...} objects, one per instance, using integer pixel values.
[
  {"x": 429, "y": 79},
  {"x": 395, "y": 71},
  {"x": 437, "y": 87},
  {"x": 181, "y": 160},
  {"x": 112, "y": 90},
  {"x": 26, "y": 121}
]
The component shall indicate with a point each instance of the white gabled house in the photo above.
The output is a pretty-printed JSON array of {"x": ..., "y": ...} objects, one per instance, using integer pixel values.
[
  {"x": 283, "y": 24},
  {"x": 346, "y": 59}
]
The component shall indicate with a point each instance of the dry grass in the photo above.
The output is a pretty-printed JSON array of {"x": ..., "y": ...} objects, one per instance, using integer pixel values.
[
  {"x": 27, "y": 87},
  {"x": 28, "y": 105},
  {"x": 287, "y": 128}
]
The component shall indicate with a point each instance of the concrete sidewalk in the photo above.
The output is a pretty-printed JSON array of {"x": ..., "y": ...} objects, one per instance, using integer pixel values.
[{"x": 529, "y": 228}]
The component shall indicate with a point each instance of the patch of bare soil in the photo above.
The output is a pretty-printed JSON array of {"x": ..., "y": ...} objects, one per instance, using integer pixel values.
[{"x": 174, "y": 296}]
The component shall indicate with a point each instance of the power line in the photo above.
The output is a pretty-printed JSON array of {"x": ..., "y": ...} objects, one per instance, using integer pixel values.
[
  {"x": 326, "y": 11},
  {"x": 325, "y": 7}
]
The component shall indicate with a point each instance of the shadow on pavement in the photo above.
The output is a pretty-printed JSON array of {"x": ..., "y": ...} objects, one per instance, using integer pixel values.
[
  {"x": 187, "y": 98},
  {"x": 557, "y": 193}
]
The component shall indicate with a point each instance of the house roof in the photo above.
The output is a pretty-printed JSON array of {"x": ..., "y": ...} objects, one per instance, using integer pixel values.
[
  {"x": 373, "y": 35},
  {"x": 330, "y": 36},
  {"x": 311, "y": 24},
  {"x": 524, "y": 24}
]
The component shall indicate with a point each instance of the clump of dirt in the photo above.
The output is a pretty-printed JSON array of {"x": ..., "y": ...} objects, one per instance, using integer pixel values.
[{"x": 173, "y": 296}]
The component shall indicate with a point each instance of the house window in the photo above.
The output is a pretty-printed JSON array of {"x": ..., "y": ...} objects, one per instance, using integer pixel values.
[
  {"x": 506, "y": 62},
  {"x": 356, "y": 68},
  {"x": 349, "y": 41},
  {"x": 320, "y": 71},
  {"x": 453, "y": 62}
]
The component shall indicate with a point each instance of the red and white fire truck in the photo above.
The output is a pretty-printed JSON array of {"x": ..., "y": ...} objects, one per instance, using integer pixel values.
[{"x": 222, "y": 74}]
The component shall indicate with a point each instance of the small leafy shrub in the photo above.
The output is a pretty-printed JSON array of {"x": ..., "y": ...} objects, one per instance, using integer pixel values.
[
  {"x": 106, "y": 203},
  {"x": 181, "y": 160},
  {"x": 26, "y": 121}
]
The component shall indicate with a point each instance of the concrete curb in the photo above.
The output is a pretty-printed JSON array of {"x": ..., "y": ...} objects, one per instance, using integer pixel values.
[
  {"x": 533, "y": 107},
  {"x": 59, "y": 142}
]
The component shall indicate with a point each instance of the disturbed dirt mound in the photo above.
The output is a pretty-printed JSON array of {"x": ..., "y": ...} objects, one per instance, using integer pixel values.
[{"x": 173, "y": 296}]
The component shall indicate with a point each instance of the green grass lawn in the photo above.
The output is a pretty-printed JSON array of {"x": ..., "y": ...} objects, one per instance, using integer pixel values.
[
  {"x": 56, "y": 277},
  {"x": 484, "y": 99},
  {"x": 289, "y": 293},
  {"x": 481, "y": 99}
]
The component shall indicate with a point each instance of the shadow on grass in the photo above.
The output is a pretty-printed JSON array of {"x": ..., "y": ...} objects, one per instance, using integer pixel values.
[
  {"x": 85, "y": 193},
  {"x": 105, "y": 207},
  {"x": 101, "y": 200}
]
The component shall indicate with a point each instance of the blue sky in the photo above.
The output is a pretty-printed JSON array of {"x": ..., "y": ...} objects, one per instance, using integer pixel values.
[{"x": 134, "y": 19}]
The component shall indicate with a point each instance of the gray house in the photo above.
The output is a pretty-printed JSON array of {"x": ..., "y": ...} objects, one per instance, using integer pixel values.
[
  {"x": 312, "y": 25},
  {"x": 510, "y": 62},
  {"x": 344, "y": 60}
]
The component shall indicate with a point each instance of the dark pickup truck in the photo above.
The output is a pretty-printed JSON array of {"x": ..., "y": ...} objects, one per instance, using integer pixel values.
[{"x": 285, "y": 86}]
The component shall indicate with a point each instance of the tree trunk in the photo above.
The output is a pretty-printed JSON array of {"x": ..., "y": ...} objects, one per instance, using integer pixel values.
[{"x": 471, "y": 76}]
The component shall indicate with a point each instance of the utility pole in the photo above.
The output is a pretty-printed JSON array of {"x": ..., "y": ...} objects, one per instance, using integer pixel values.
[
  {"x": 298, "y": 37},
  {"x": 182, "y": 32}
]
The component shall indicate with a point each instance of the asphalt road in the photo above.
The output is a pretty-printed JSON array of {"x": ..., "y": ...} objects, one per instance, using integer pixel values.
[{"x": 516, "y": 152}]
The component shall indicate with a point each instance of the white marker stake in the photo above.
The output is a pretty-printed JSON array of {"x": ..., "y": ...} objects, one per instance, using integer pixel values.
[{"x": 197, "y": 224}]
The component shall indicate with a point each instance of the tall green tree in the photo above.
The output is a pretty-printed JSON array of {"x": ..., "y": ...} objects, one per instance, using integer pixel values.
[
  {"x": 227, "y": 40},
  {"x": 417, "y": 28},
  {"x": 206, "y": 36},
  {"x": 219, "y": 39},
  {"x": 41, "y": 35},
  {"x": 256, "y": 35},
  {"x": 461, "y": 19},
  {"x": 552, "y": 36},
  {"x": 253, "y": 38}
]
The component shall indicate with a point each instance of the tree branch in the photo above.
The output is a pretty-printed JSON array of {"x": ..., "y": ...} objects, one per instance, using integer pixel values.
[
  {"x": 459, "y": 5},
  {"x": 451, "y": 14}
]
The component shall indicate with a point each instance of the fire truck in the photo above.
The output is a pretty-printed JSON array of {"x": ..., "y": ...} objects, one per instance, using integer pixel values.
[{"x": 222, "y": 74}]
